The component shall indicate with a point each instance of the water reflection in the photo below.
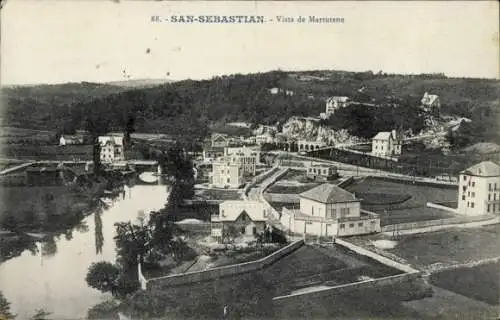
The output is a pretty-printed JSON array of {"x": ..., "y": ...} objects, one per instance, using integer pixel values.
[{"x": 50, "y": 273}]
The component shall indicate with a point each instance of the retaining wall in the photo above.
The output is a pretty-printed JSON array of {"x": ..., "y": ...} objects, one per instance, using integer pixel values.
[
  {"x": 257, "y": 179},
  {"x": 418, "y": 181},
  {"x": 345, "y": 288},
  {"x": 375, "y": 256},
  {"x": 441, "y": 207},
  {"x": 216, "y": 273},
  {"x": 267, "y": 205}
]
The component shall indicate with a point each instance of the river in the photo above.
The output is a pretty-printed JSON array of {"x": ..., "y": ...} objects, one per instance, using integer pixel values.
[{"x": 55, "y": 280}]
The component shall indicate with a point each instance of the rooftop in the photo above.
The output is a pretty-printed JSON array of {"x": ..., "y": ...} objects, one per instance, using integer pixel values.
[
  {"x": 484, "y": 169},
  {"x": 328, "y": 193}
]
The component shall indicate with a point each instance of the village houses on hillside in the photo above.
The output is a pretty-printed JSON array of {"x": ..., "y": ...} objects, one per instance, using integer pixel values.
[
  {"x": 386, "y": 144},
  {"x": 243, "y": 218},
  {"x": 328, "y": 210},
  {"x": 479, "y": 189}
]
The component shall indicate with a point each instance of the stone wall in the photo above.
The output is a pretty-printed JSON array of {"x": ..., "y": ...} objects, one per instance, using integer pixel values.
[{"x": 226, "y": 271}]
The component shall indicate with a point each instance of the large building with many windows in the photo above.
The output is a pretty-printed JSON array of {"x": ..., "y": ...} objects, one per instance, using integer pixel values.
[
  {"x": 479, "y": 189},
  {"x": 111, "y": 149},
  {"x": 226, "y": 174}
]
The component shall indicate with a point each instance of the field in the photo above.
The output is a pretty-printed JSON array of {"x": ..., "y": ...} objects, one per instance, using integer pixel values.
[
  {"x": 217, "y": 194},
  {"x": 480, "y": 282},
  {"x": 19, "y": 135},
  {"x": 252, "y": 293},
  {"x": 293, "y": 182},
  {"x": 458, "y": 245},
  {"x": 387, "y": 198}
]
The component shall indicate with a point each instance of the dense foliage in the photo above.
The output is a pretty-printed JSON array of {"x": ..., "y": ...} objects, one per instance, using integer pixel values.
[
  {"x": 5, "y": 308},
  {"x": 188, "y": 108}
]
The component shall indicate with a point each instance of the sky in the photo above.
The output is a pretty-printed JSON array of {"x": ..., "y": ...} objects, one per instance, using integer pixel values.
[{"x": 99, "y": 41}]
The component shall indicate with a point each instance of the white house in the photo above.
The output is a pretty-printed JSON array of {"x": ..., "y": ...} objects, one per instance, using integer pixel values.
[
  {"x": 266, "y": 137},
  {"x": 386, "y": 144},
  {"x": 430, "y": 102},
  {"x": 246, "y": 218},
  {"x": 479, "y": 189},
  {"x": 226, "y": 174},
  {"x": 219, "y": 140},
  {"x": 246, "y": 157},
  {"x": 334, "y": 103},
  {"x": 328, "y": 210},
  {"x": 111, "y": 149},
  {"x": 62, "y": 141}
]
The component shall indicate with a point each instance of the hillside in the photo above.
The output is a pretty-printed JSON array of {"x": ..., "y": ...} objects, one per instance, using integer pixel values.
[{"x": 190, "y": 107}]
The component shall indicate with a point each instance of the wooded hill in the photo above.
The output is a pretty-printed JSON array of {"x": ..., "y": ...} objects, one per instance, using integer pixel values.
[{"x": 188, "y": 107}]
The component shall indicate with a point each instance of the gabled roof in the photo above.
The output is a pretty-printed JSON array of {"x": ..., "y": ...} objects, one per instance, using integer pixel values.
[
  {"x": 484, "y": 169},
  {"x": 231, "y": 210},
  {"x": 385, "y": 135},
  {"x": 429, "y": 99},
  {"x": 336, "y": 98},
  {"x": 328, "y": 193}
]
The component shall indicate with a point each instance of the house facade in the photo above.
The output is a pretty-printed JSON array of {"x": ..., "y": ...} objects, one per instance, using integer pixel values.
[
  {"x": 430, "y": 102},
  {"x": 386, "y": 144},
  {"x": 334, "y": 103},
  {"x": 247, "y": 157},
  {"x": 479, "y": 189},
  {"x": 226, "y": 174},
  {"x": 321, "y": 172},
  {"x": 328, "y": 210},
  {"x": 305, "y": 145},
  {"x": 239, "y": 218},
  {"x": 111, "y": 149},
  {"x": 219, "y": 140}
]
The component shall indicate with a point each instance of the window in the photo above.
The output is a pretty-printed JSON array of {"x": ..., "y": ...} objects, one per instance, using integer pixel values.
[
  {"x": 312, "y": 211},
  {"x": 351, "y": 225},
  {"x": 489, "y": 196},
  {"x": 360, "y": 224},
  {"x": 468, "y": 204},
  {"x": 228, "y": 180},
  {"x": 468, "y": 194},
  {"x": 489, "y": 207},
  {"x": 242, "y": 230},
  {"x": 495, "y": 186},
  {"x": 472, "y": 204},
  {"x": 465, "y": 178},
  {"x": 473, "y": 194},
  {"x": 473, "y": 183},
  {"x": 342, "y": 226},
  {"x": 244, "y": 218},
  {"x": 373, "y": 222},
  {"x": 489, "y": 187},
  {"x": 463, "y": 197}
]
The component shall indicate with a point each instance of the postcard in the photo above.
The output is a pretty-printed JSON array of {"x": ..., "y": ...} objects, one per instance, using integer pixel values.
[{"x": 249, "y": 159}]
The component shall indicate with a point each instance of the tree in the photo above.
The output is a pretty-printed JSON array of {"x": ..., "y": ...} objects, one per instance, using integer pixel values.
[
  {"x": 104, "y": 310},
  {"x": 41, "y": 314},
  {"x": 103, "y": 276},
  {"x": 5, "y": 308}
]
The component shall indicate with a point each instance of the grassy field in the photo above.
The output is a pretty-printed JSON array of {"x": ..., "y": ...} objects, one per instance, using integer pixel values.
[
  {"x": 293, "y": 182},
  {"x": 480, "y": 282},
  {"x": 414, "y": 209},
  {"x": 449, "y": 246},
  {"x": 217, "y": 194}
]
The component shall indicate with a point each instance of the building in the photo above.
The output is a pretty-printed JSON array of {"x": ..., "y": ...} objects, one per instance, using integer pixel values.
[
  {"x": 70, "y": 139},
  {"x": 266, "y": 137},
  {"x": 328, "y": 210},
  {"x": 334, "y": 103},
  {"x": 430, "y": 102},
  {"x": 219, "y": 140},
  {"x": 111, "y": 149},
  {"x": 211, "y": 153},
  {"x": 321, "y": 172},
  {"x": 479, "y": 189},
  {"x": 249, "y": 155},
  {"x": 226, "y": 174},
  {"x": 386, "y": 144},
  {"x": 239, "y": 218}
]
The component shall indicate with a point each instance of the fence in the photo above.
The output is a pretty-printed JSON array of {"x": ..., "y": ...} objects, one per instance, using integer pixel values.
[
  {"x": 217, "y": 273},
  {"x": 434, "y": 223}
]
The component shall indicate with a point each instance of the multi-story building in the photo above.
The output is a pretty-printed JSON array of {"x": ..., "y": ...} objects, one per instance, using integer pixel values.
[
  {"x": 334, "y": 103},
  {"x": 386, "y": 144},
  {"x": 111, "y": 149},
  {"x": 247, "y": 157},
  {"x": 226, "y": 174},
  {"x": 479, "y": 189},
  {"x": 430, "y": 102},
  {"x": 240, "y": 217},
  {"x": 328, "y": 210}
]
